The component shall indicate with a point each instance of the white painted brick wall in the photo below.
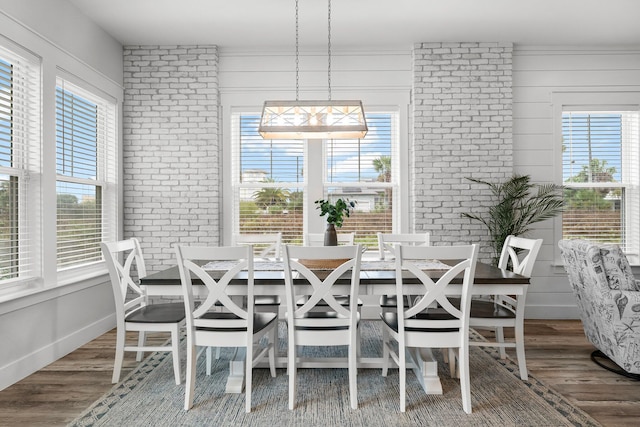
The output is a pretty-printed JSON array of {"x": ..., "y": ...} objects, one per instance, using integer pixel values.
[
  {"x": 462, "y": 100},
  {"x": 171, "y": 148}
]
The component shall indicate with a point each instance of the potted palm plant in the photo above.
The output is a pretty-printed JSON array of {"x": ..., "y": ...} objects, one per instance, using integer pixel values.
[
  {"x": 336, "y": 213},
  {"x": 518, "y": 204}
]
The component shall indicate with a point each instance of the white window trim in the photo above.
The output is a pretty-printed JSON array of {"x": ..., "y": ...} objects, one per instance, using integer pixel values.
[
  {"x": 315, "y": 182},
  {"x": 581, "y": 101}
]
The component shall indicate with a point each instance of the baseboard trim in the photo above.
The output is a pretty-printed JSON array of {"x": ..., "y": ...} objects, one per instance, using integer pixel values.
[
  {"x": 38, "y": 359},
  {"x": 552, "y": 312}
]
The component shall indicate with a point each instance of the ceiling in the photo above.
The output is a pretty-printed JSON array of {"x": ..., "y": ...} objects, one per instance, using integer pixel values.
[{"x": 249, "y": 24}]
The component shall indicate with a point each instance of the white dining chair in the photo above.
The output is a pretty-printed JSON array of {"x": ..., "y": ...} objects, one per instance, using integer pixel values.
[
  {"x": 421, "y": 325},
  {"x": 507, "y": 311},
  {"x": 344, "y": 239},
  {"x": 137, "y": 314},
  {"x": 236, "y": 326},
  {"x": 386, "y": 251},
  {"x": 265, "y": 246},
  {"x": 388, "y": 241},
  {"x": 335, "y": 325}
]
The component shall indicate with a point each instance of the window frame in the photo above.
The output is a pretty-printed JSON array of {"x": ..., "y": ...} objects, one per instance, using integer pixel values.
[
  {"x": 593, "y": 102},
  {"x": 26, "y": 163},
  {"x": 316, "y": 189},
  {"x": 107, "y": 171}
]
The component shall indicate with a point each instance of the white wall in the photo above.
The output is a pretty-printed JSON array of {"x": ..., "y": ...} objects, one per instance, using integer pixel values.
[
  {"x": 38, "y": 326},
  {"x": 65, "y": 27},
  {"x": 538, "y": 72}
]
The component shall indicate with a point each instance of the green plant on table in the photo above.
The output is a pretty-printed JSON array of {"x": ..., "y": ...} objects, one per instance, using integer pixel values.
[{"x": 335, "y": 212}]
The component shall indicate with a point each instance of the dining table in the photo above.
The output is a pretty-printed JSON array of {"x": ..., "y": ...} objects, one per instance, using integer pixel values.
[{"x": 377, "y": 277}]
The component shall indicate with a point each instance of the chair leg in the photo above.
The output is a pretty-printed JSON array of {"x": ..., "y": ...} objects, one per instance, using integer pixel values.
[
  {"x": 191, "y": 376},
  {"x": 175, "y": 350},
  {"x": 465, "y": 386},
  {"x": 209, "y": 361},
  {"x": 519, "y": 338},
  {"x": 217, "y": 353},
  {"x": 384, "y": 338},
  {"x": 385, "y": 350},
  {"x": 291, "y": 369},
  {"x": 353, "y": 376},
  {"x": 402, "y": 368},
  {"x": 500, "y": 339},
  {"x": 141, "y": 341},
  {"x": 248, "y": 376},
  {"x": 117, "y": 365},
  {"x": 451, "y": 355},
  {"x": 272, "y": 351},
  {"x": 522, "y": 362},
  {"x": 276, "y": 336}
]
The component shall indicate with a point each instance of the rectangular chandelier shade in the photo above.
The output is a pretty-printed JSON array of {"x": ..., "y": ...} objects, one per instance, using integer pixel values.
[{"x": 313, "y": 120}]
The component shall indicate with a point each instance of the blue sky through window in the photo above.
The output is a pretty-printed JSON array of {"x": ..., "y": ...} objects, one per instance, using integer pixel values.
[
  {"x": 591, "y": 135},
  {"x": 76, "y": 135},
  {"x": 6, "y": 111}
]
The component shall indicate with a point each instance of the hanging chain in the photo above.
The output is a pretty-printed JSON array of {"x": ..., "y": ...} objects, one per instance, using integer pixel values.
[
  {"x": 329, "y": 49},
  {"x": 297, "y": 58}
]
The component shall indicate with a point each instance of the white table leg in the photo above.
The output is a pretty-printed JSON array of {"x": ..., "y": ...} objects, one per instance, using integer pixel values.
[
  {"x": 235, "y": 381},
  {"x": 426, "y": 369}
]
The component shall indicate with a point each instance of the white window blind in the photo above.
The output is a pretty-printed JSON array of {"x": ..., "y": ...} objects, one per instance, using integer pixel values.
[
  {"x": 600, "y": 174},
  {"x": 366, "y": 171},
  {"x": 86, "y": 174},
  {"x": 19, "y": 166},
  {"x": 268, "y": 181}
]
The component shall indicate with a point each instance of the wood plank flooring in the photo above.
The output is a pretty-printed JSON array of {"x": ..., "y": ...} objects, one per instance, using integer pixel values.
[{"x": 557, "y": 354}]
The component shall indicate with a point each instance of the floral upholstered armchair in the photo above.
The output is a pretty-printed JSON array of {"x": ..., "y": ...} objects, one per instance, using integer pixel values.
[{"x": 608, "y": 299}]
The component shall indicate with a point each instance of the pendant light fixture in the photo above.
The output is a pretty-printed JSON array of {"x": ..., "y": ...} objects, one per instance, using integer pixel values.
[{"x": 328, "y": 119}]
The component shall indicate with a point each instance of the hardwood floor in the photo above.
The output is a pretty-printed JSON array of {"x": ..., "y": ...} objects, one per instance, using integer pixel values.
[{"x": 557, "y": 354}]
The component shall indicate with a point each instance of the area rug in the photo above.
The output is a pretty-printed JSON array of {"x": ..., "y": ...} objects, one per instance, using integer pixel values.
[{"x": 149, "y": 397}]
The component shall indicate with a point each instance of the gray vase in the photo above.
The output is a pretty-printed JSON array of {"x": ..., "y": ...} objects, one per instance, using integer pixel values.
[{"x": 330, "y": 236}]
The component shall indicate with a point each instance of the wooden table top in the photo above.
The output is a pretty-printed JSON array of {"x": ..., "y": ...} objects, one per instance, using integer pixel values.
[{"x": 484, "y": 274}]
